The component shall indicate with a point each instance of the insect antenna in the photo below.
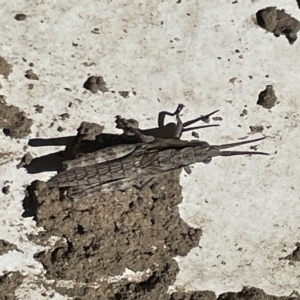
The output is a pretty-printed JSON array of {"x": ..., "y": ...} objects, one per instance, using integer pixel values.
[
  {"x": 229, "y": 153},
  {"x": 225, "y": 146},
  {"x": 199, "y": 127}
]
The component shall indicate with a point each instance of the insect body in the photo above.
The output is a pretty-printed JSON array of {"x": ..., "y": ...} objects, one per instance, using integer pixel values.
[{"x": 126, "y": 165}]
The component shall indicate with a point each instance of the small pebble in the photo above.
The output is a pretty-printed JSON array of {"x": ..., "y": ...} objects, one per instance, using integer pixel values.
[{"x": 6, "y": 189}]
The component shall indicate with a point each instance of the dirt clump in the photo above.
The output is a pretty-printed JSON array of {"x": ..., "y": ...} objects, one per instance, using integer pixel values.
[
  {"x": 89, "y": 131},
  {"x": 153, "y": 287},
  {"x": 250, "y": 293},
  {"x": 101, "y": 236},
  {"x": 26, "y": 160},
  {"x": 124, "y": 94},
  {"x": 256, "y": 128},
  {"x": 5, "y": 68},
  {"x": 139, "y": 227},
  {"x": 39, "y": 108},
  {"x": 6, "y": 189},
  {"x": 295, "y": 256},
  {"x": 267, "y": 97},
  {"x": 13, "y": 121},
  {"x": 20, "y": 17},
  {"x": 279, "y": 22},
  {"x": 31, "y": 75},
  {"x": 9, "y": 282},
  {"x": 95, "y": 83},
  {"x": 205, "y": 295},
  {"x": 6, "y": 246}
]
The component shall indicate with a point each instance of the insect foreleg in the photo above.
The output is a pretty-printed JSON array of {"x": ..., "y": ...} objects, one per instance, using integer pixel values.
[
  {"x": 181, "y": 127},
  {"x": 201, "y": 118},
  {"x": 163, "y": 114},
  {"x": 199, "y": 127}
]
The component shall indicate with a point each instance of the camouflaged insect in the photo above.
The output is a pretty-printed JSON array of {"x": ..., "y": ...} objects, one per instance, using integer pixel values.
[{"x": 123, "y": 166}]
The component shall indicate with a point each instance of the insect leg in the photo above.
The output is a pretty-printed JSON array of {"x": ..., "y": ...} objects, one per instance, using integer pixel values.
[
  {"x": 201, "y": 118},
  {"x": 163, "y": 114},
  {"x": 199, "y": 127},
  {"x": 180, "y": 127}
]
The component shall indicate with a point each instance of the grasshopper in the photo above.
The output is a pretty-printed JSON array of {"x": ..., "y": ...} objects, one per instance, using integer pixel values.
[
  {"x": 122, "y": 166},
  {"x": 84, "y": 143}
]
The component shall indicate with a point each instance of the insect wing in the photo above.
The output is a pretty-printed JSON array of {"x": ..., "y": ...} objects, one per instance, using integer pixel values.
[{"x": 100, "y": 156}]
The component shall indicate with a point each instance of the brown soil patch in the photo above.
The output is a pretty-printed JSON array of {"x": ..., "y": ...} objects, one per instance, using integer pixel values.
[
  {"x": 13, "y": 120},
  {"x": 9, "y": 282},
  {"x": 101, "y": 236}
]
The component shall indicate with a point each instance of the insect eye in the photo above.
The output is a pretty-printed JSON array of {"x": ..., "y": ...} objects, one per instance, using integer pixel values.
[{"x": 207, "y": 161}]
